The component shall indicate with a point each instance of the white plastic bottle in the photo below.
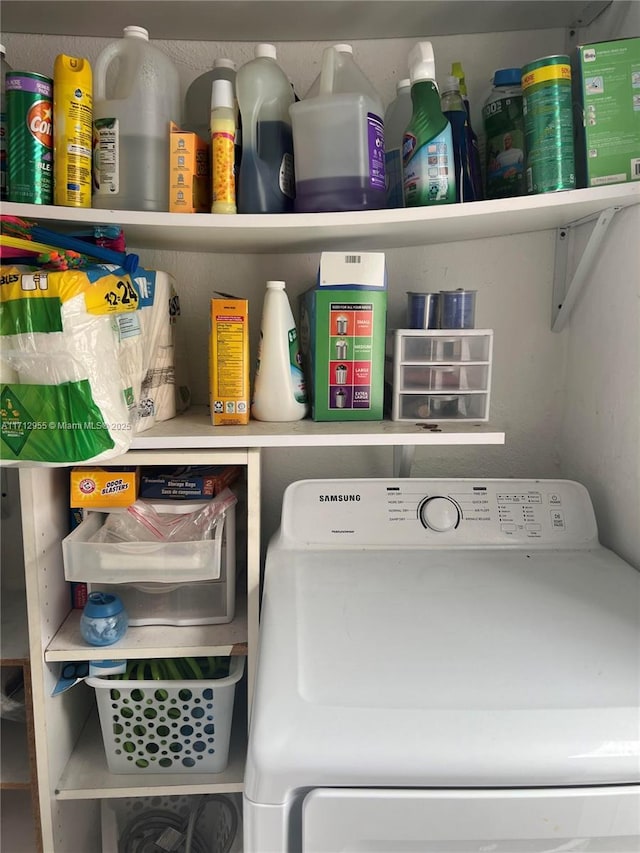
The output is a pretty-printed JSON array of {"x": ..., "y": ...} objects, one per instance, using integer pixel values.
[
  {"x": 396, "y": 120},
  {"x": 197, "y": 102},
  {"x": 131, "y": 124},
  {"x": 266, "y": 178},
  {"x": 338, "y": 139},
  {"x": 279, "y": 392}
]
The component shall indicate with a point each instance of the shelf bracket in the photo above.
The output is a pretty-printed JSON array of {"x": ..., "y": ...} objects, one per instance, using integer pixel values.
[
  {"x": 403, "y": 456},
  {"x": 565, "y": 292}
]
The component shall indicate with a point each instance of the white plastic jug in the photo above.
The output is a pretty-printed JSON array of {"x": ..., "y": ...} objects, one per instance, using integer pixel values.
[
  {"x": 131, "y": 119},
  {"x": 338, "y": 139}
]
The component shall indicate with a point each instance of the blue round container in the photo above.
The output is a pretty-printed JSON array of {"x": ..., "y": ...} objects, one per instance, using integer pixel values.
[
  {"x": 422, "y": 310},
  {"x": 104, "y": 620},
  {"x": 457, "y": 309}
]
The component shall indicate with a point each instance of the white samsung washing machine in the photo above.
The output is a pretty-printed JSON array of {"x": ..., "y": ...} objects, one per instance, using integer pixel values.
[{"x": 445, "y": 666}]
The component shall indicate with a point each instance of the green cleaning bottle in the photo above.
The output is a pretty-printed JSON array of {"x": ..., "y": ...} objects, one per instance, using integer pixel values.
[{"x": 427, "y": 147}]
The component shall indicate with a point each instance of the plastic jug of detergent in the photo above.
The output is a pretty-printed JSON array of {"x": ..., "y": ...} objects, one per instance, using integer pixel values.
[
  {"x": 279, "y": 392},
  {"x": 131, "y": 119},
  {"x": 427, "y": 149},
  {"x": 266, "y": 177},
  {"x": 338, "y": 139}
]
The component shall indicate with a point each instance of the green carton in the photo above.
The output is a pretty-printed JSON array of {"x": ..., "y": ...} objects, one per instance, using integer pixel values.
[
  {"x": 606, "y": 79},
  {"x": 342, "y": 337}
]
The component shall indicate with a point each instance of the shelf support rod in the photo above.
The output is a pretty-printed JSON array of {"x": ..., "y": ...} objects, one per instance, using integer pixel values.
[
  {"x": 403, "y": 456},
  {"x": 565, "y": 292}
]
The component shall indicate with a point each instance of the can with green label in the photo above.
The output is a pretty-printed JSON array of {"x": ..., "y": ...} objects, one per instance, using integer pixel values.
[
  {"x": 29, "y": 104},
  {"x": 548, "y": 125}
]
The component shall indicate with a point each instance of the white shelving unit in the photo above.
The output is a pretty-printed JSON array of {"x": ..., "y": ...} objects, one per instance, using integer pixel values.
[{"x": 72, "y": 772}]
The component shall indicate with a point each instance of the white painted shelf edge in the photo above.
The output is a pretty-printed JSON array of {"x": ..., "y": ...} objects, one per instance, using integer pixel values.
[
  {"x": 87, "y": 777},
  {"x": 154, "y": 640},
  {"x": 356, "y": 230},
  {"x": 193, "y": 429}
]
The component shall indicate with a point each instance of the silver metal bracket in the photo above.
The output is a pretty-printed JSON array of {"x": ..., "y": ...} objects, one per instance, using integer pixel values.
[{"x": 565, "y": 292}]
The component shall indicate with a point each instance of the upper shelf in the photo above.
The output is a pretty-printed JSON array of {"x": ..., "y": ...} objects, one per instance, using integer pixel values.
[
  {"x": 361, "y": 230},
  {"x": 293, "y": 20}
]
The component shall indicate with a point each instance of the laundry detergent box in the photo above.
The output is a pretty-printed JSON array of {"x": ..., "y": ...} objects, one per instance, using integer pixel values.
[
  {"x": 342, "y": 336},
  {"x": 606, "y": 80},
  {"x": 229, "y": 391},
  {"x": 189, "y": 184}
]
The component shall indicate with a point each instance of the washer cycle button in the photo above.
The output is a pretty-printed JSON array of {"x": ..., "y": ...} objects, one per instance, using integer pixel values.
[
  {"x": 557, "y": 519},
  {"x": 439, "y": 514}
]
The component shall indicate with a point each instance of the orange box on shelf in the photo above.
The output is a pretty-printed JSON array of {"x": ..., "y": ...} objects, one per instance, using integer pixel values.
[
  {"x": 104, "y": 487},
  {"x": 229, "y": 361},
  {"x": 189, "y": 185}
]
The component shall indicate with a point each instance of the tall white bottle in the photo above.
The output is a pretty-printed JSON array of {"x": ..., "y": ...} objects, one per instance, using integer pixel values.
[{"x": 279, "y": 391}]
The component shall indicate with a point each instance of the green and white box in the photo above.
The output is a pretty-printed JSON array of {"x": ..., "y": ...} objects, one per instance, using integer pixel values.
[
  {"x": 607, "y": 96},
  {"x": 342, "y": 336}
]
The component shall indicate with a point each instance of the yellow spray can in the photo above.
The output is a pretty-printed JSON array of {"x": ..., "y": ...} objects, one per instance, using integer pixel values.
[{"x": 72, "y": 131}]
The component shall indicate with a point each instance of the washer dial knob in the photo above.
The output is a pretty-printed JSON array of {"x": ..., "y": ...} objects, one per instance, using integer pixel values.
[{"x": 439, "y": 514}]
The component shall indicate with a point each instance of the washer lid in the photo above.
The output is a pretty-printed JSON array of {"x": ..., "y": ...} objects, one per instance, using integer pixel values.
[{"x": 445, "y": 667}]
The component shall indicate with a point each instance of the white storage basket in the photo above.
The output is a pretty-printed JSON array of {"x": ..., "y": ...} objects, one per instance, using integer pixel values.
[{"x": 167, "y": 726}]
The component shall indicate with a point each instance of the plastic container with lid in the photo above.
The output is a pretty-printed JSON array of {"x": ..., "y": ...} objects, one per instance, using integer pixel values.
[
  {"x": 266, "y": 176},
  {"x": 131, "y": 116},
  {"x": 279, "y": 392},
  {"x": 223, "y": 135},
  {"x": 427, "y": 149},
  {"x": 338, "y": 137},
  {"x": 396, "y": 119},
  {"x": 503, "y": 120},
  {"x": 104, "y": 620}
]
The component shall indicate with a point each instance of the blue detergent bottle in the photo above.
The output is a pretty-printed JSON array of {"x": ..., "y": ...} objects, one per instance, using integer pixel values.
[
  {"x": 472, "y": 137},
  {"x": 266, "y": 179},
  {"x": 427, "y": 147},
  {"x": 455, "y": 111}
]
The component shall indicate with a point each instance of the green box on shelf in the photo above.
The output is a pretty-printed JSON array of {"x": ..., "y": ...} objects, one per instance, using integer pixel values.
[
  {"x": 342, "y": 335},
  {"x": 606, "y": 80}
]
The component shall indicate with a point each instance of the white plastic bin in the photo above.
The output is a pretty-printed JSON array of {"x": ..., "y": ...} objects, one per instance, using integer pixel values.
[{"x": 167, "y": 726}]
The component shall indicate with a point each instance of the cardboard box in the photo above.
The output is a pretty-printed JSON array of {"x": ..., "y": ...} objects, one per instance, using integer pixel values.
[
  {"x": 229, "y": 392},
  {"x": 103, "y": 487},
  {"x": 606, "y": 81},
  {"x": 189, "y": 182},
  {"x": 342, "y": 337},
  {"x": 187, "y": 482}
]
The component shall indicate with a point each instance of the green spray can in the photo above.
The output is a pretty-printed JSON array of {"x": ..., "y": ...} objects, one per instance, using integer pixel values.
[
  {"x": 30, "y": 146},
  {"x": 548, "y": 125}
]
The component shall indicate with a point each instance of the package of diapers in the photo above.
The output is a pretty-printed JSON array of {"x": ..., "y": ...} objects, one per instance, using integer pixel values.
[{"x": 66, "y": 390}]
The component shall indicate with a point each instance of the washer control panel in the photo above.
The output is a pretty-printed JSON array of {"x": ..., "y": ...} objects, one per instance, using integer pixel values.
[{"x": 428, "y": 512}]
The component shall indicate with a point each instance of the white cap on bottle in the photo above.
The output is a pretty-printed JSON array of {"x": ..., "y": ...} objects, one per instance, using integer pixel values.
[
  {"x": 343, "y": 48},
  {"x": 422, "y": 64},
  {"x": 221, "y": 94},
  {"x": 403, "y": 84},
  {"x": 266, "y": 50},
  {"x": 451, "y": 84},
  {"x": 223, "y": 62},
  {"x": 136, "y": 32},
  {"x": 276, "y": 285}
]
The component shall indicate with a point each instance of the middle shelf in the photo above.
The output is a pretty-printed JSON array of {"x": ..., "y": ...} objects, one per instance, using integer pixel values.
[{"x": 154, "y": 640}]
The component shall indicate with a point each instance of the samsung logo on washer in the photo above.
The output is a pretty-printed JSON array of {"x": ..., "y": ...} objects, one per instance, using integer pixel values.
[{"x": 340, "y": 498}]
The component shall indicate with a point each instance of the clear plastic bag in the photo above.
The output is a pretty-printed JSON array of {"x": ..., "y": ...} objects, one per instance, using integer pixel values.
[{"x": 142, "y": 522}]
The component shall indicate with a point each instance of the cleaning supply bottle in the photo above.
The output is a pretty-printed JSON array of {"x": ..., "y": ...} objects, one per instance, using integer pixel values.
[
  {"x": 131, "y": 124},
  {"x": 279, "y": 392},
  {"x": 427, "y": 148},
  {"x": 223, "y": 134},
  {"x": 472, "y": 138},
  {"x": 72, "y": 131},
  {"x": 5, "y": 68},
  {"x": 338, "y": 139},
  {"x": 266, "y": 177},
  {"x": 454, "y": 110},
  {"x": 396, "y": 119},
  {"x": 197, "y": 102},
  {"x": 503, "y": 119}
]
